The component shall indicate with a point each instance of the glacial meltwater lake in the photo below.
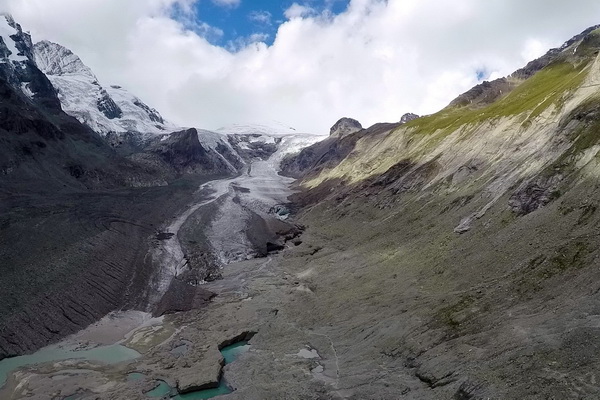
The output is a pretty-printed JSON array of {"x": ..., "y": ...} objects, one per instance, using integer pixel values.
[
  {"x": 113, "y": 354},
  {"x": 230, "y": 354}
]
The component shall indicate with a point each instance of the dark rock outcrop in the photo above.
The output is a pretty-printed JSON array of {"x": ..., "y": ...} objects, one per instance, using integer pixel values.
[
  {"x": 183, "y": 153},
  {"x": 152, "y": 113},
  {"x": 469, "y": 391},
  {"x": 345, "y": 127},
  {"x": 408, "y": 117},
  {"x": 250, "y": 147},
  {"x": 108, "y": 107},
  {"x": 270, "y": 234},
  {"x": 22, "y": 74},
  {"x": 534, "y": 195},
  {"x": 483, "y": 94}
]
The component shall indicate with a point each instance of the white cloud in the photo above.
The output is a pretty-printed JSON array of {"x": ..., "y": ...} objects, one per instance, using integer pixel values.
[
  {"x": 244, "y": 41},
  {"x": 227, "y": 3},
  {"x": 534, "y": 48},
  {"x": 374, "y": 62},
  {"x": 207, "y": 31},
  {"x": 261, "y": 17},
  {"x": 258, "y": 37},
  {"x": 299, "y": 11}
]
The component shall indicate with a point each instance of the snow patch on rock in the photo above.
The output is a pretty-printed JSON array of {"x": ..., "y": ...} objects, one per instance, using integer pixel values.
[{"x": 6, "y": 31}]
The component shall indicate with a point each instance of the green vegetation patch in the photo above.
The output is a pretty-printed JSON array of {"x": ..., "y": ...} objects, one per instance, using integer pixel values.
[
  {"x": 548, "y": 87},
  {"x": 453, "y": 315},
  {"x": 571, "y": 256}
]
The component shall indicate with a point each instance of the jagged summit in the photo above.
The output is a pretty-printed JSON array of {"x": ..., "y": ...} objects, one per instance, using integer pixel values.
[
  {"x": 54, "y": 59},
  {"x": 408, "y": 117},
  {"x": 569, "y": 50},
  {"x": 344, "y": 127},
  {"x": 18, "y": 68},
  {"x": 16, "y": 45}
]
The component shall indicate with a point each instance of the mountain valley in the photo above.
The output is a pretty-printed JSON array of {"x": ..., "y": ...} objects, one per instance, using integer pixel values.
[{"x": 444, "y": 256}]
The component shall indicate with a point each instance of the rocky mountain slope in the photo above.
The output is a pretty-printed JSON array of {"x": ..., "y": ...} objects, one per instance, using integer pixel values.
[
  {"x": 458, "y": 250},
  {"x": 63, "y": 190},
  {"x": 76, "y": 216}
]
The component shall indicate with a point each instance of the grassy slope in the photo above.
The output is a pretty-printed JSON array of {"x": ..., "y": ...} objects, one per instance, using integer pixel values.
[
  {"x": 507, "y": 310},
  {"x": 543, "y": 96}
]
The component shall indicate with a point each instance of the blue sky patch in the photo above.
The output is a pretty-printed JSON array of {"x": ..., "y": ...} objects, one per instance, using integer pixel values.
[
  {"x": 251, "y": 20},
  {"x": 481, "y": 74}
]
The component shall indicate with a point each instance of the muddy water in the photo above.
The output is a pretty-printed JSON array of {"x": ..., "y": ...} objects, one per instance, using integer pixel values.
[
  {"x": 101, "y": 342},
  {"x": 113, "y": 354}
]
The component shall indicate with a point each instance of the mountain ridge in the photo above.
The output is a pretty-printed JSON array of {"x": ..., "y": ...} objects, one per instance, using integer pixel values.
[{"x": 474, "y": 229}]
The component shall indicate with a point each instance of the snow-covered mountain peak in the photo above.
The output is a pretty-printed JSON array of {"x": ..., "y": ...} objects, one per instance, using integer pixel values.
[
  {"x": 107, "y": 110},
  {"x": 54, "y": 59},
  {"x": 17, "y": 66}
]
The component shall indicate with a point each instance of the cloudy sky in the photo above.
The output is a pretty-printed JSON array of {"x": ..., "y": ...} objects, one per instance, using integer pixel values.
[{"x": 210, "y": 63}]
